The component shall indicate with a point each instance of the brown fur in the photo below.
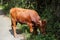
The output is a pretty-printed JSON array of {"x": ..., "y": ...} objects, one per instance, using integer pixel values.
[{"x": 30, "y": 17}]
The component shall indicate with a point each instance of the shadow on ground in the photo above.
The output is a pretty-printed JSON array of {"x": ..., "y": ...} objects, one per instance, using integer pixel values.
[{"x": 18, "y": 31}]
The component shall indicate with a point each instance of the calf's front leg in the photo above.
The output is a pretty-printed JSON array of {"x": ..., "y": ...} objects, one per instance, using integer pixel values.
[{"x": 30, "y": 26}]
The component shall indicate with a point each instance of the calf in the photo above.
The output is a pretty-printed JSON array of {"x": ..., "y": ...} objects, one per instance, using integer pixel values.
[{"x": 28, "y": 16}]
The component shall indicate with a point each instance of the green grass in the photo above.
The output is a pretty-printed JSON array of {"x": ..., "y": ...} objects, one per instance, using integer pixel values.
[
  {"x": 25, "y": 29},
  {"x": 1, "y": 7}
]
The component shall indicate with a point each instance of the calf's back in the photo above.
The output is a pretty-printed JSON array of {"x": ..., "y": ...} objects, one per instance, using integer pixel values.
[{"x": 24, "y": 15}]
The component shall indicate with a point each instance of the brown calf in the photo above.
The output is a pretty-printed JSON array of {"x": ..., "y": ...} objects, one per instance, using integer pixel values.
[{"x": 30, "y": 17}]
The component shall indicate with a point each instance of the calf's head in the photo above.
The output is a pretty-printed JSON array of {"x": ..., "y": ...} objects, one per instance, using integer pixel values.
[{"x": 42, "y": 24}]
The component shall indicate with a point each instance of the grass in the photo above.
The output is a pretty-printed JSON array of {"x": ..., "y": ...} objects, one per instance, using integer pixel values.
[
  {"x": 25, "y": 29},
  {"x": 1, "y": 7}
]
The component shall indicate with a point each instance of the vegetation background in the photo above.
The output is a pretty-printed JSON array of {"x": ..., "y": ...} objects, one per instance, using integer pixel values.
[{"x": 47, "y": 9}]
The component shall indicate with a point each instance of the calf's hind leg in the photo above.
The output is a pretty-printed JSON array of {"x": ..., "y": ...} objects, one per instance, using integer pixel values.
[{"x": 14, "y": 27}]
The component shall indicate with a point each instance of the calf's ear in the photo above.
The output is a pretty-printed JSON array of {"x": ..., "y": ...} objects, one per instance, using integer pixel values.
[{"x": 44, "y": 21}]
